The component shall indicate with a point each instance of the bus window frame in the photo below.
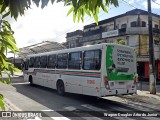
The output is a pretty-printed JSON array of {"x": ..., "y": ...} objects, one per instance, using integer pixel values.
[
  {"x": 31, "y": 65},
  {"x": 100, "y": 58},
  {"x": 80, "y": 61},
  {"x": 66, "y": 61},
  {"x": 37, "y": 64},
  {"x": 26, "y": 64},
  {"x": 48, "y": 62},
  {"x": 42, "y": 62}
]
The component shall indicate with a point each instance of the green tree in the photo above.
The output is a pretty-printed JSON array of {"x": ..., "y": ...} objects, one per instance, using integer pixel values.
[
  {"x": 15, "y": 8},
  {"x": 7, "y": 42},
  {"x": 79, "y": 8}
]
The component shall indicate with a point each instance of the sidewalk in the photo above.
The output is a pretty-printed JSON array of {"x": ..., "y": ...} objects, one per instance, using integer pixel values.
[
  {"x": 9, "y": 94},
  {"x": 16, "y": 74},
  {"x": 145, "y": 98}
]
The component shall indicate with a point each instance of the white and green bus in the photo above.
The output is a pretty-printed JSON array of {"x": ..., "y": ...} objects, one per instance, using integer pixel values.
[{"x": 95, "y": 70}]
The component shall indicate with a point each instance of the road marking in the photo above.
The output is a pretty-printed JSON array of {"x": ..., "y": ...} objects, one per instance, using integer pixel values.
[
  {"x": 99, "y": 109},
  {"x": 60, "y": 118},
  {"x": 56, "y": 118},
  {"x": 36, "y": 118},
  {"x": 92, "y": 108},
  {"x": 70, "y": 108},
  {"x": 47, "y": 110},
  {"x": 20, "y": 83}
]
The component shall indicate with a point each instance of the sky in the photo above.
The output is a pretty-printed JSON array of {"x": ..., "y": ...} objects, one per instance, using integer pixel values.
[{"x": 52, "y": 22}]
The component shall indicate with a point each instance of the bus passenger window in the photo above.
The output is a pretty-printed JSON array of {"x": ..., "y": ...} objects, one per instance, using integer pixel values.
[
  {"x": 62, "y": 60},
  {"x": 31, "y": 62},
  {"x": 36, "y": 62},
  {"x": 43, "y": 61},
  {"x": 51, "y": 61},
  {"x": 74, "y": 61},
  {"x": 92, "y": 60},
  {"x": 25, "y": 65}
]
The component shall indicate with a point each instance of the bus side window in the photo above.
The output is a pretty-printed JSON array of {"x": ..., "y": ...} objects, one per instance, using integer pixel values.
[
  {"x": 51, "y": 61},
  {"x": 92, "y": 60},
  {"x": 43, "y": 61},
  {"x": 74, "y": 60},
  {"x": 62, "y": 61},
  {"x": 36, "y": 62},
  {"x": 97, "y": 59},
  {"x": 31, "y": 62},
  {"x": 25, "y": 65}
]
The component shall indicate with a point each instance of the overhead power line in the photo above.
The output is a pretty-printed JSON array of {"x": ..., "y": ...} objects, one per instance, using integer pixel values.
[
  {"x": 87, "y": 19},
  {"x": 130, "y": 4},
  {"x": 135, "y": 7},
  {"x": 155, "y": 2},
  {"x": 91, "y": 20}
]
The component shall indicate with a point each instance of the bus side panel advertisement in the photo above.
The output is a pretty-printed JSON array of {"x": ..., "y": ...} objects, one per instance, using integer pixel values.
[{"x": 120, "y": 63}]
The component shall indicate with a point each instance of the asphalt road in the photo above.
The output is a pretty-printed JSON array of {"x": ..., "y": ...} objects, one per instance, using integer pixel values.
[{"x": 71, "y": 106}]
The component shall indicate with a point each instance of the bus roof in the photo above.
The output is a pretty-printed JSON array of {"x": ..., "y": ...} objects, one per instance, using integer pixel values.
[{"x": 87, "y": 47}]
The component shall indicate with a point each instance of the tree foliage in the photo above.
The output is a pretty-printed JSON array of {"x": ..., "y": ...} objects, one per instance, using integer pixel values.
[
  {"x": 122, "y": 42},
  {"x": 79, "y": 8},
  {"x": 89, "y": 7},
  {"x": 1, "y": 102},
  {"x": 7, "y": 42},
  {"x": 15, "y": 8}
]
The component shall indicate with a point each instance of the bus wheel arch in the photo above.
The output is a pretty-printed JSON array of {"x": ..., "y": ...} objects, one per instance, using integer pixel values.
[
  {"x": 60, "y": 87},
  {"x": 31, "y": 80}
]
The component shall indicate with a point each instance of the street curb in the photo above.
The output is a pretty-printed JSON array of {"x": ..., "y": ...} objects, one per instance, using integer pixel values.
[{"x": 10, "y": 106}]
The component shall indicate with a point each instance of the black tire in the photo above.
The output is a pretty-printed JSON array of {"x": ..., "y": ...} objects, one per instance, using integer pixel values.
[
  {"x": 60, "y": 88},
  {"x": 31, "y": 80}
]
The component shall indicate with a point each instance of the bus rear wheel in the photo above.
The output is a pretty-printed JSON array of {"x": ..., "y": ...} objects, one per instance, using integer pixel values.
[{"x": 60, "y": 88}]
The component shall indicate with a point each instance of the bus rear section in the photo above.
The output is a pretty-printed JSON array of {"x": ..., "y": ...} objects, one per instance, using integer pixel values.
[{"x": 120, "y": 71}]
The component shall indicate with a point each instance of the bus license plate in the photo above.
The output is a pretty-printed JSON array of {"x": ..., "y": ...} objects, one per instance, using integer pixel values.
[{"x": 121, "y": 83}]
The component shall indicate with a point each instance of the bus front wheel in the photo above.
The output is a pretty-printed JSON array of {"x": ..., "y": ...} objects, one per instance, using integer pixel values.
[{"x": 60, "y": 87}]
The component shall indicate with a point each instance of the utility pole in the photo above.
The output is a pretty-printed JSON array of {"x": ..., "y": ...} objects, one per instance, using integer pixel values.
[{"x": 152, "y": 74}]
